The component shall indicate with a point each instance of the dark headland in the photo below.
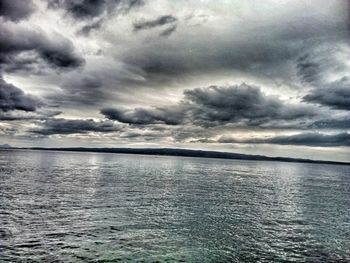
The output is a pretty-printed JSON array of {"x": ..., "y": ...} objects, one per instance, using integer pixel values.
[{"x": 187, "y": 153}]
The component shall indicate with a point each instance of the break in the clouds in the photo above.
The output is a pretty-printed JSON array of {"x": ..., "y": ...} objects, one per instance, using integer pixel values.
[{"x": 254, "y": 77}]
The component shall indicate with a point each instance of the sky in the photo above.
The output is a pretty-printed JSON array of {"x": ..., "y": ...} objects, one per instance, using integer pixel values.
[{"x": 257, "y": 77}]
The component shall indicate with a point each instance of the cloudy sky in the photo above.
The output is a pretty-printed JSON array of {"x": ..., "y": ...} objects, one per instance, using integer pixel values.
[{"x": 259, "y": 77}]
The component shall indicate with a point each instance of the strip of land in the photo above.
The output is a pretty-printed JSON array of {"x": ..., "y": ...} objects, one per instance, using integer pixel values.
[{"x": 186, "y": 153}]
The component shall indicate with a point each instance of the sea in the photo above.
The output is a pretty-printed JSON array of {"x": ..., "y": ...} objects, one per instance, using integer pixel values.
[{"x": 105, "y": 207}]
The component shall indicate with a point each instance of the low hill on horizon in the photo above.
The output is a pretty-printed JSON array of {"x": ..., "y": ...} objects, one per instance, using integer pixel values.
[{"x": 187, "y": 153}]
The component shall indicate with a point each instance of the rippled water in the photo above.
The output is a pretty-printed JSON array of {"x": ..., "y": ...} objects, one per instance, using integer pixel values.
[{"x": 91, "y": 207}]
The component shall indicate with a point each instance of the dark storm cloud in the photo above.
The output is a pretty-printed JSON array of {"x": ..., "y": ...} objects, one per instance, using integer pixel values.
[
  {"x": 142, "y": 116},
  {"x": 16, "y": 10},
  {"x": 65, "y": 126},
  {"x": 242, "y": 105},
  {"x": 88, "y": 9},
  {"x": 20, "y": 47},
  {"x": 13, "y": 98},
  {"x": 302, "y": 139},
  {"x": 335, "y": 95},
  {"x": 148, "y": 24}
]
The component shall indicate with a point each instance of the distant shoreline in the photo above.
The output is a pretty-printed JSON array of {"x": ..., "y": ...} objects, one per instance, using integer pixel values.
[{"x": 184, "y": 153}]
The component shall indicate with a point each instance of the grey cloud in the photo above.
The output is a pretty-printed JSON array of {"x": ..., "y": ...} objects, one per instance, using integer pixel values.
[
  {"x": 87, "y": 9},
  {"x": 13, "y": 98},
  {"x": 160, "y": 21},
  {"x": 16, "y": 40},
  {"x": 335, "y": 95},
  {"x": 66, "y": 126},
  {"x": 303, "y": 139},
  {"x": 142, "y": 116},
  {"x": 16, "y": 10}
]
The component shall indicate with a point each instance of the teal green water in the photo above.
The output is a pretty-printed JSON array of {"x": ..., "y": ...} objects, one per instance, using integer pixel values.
[{"x": 87, "y": 207}]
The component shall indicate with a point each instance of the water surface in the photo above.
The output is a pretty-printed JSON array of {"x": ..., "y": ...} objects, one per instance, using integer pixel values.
[{"x": 95, "y": 207}]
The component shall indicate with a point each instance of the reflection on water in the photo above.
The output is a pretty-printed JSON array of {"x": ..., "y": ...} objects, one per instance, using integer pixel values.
[{"x": 81, "y": 207}]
